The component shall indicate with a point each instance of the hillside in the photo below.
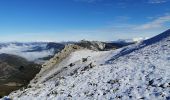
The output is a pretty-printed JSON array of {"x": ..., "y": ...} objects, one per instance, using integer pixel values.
[
  {"x": 15, "y": 72},
  {"x": 138, "y": 71}
]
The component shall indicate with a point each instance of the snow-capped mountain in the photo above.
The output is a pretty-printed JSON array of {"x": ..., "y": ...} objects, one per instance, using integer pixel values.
[
  {"x": 134, "y": 72},
  {"x": 133, "y": 40},
  {"x": 139, "y": 39}
]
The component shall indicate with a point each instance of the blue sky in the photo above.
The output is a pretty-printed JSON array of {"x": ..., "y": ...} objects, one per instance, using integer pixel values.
[{"x": 72, "y": 20}]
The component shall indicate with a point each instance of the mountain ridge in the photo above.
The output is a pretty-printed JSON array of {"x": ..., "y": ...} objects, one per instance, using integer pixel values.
[{"x": 136, "y": 73}]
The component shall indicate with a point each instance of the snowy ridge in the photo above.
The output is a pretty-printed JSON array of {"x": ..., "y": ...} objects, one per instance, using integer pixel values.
[
  {"x": 139, "y": 71},
  {"x": 132, "y": 48}
]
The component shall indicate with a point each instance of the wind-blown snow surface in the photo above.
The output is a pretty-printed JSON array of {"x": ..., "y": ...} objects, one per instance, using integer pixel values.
[{"x": 140, "y": 71}]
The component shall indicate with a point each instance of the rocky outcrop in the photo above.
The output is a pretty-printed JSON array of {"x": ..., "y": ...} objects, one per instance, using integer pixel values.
[
  {"x": 58, "y": 57},
  {"x": 56, "y": 60},
  {"x": 61, "y": 55},
  {"x": 92, "y": 45},
  {"x": 97, "y": 45}
]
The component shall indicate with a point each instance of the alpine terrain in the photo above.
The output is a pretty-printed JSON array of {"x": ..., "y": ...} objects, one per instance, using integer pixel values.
[{"x": 134, "y": 72}]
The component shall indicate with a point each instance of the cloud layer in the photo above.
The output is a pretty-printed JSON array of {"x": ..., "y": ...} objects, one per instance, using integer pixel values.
[
  {"x": 12, "y": 48},
  {"x": 157, "y": 23},
  {"x": 157, "y": 1}
]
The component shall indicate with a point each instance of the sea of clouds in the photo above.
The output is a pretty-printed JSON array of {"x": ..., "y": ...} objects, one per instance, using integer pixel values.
[{"x": 22, "y": 50}]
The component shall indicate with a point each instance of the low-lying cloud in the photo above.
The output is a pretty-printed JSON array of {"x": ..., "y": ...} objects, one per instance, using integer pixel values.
[{"x": 22, "y": 51}]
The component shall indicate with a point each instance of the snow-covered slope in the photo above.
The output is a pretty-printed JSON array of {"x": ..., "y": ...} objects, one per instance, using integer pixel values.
[{"x": 139, "y": 71}]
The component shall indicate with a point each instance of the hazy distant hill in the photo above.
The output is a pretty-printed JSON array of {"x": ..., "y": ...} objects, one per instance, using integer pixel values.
[{"x": 40, "y": 52}]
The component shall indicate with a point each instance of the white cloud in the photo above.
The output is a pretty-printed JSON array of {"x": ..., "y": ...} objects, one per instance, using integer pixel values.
[
  {"x": 157, "y": 23},
  {"x": 157, "y": 1},
  {"x": 88, "y": 1},
  {"x": 31, "y": 56}
]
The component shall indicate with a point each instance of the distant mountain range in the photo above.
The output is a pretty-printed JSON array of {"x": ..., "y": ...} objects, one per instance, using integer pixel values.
[{"x": 40, "y": 52}]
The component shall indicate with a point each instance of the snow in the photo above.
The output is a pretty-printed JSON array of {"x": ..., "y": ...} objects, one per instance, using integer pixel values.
[{"x": 139, "y": 71}]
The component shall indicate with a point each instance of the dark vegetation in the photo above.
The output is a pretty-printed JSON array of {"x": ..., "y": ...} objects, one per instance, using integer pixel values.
[{"x": 15, "y": 70}]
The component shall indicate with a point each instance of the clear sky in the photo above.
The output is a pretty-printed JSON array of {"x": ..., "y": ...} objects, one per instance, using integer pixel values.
[{"x": 70, "y": 20}]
